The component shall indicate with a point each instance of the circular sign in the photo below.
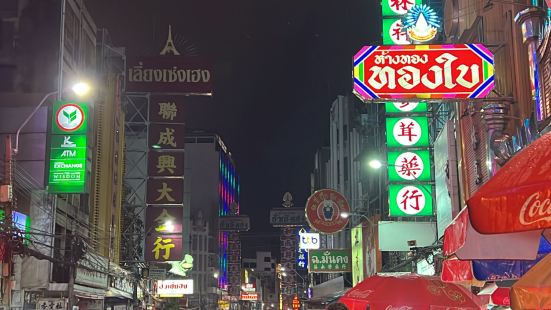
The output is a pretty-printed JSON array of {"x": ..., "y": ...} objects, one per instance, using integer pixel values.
[
  {"x": 409, "y": 166},
  {"x": 69, "y": 117},
  {"x": 398, "y": 34},
  {"x": 324, "y": 209},
  {"x": 407, "y": 131},
  {"x": 411, "y": 200},
  {"x": 406, "y": 106}
]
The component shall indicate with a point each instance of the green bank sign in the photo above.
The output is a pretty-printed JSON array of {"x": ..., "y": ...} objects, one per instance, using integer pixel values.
[
  {"x": 330, "y": 260},
  {"x": 68, "y": 148}
]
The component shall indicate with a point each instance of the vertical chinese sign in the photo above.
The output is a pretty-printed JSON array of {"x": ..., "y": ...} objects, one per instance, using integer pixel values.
[
  {"x": 165, "y": 186},
  {"x": 392, "y": 12},
  {"x": 409, "y": 159},
  {"x": 68, "y": 148}
]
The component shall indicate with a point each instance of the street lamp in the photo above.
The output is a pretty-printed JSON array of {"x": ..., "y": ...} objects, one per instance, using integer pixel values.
[
  {"x": 80, "y": 89},
  {"x": 346, "y": 215}
]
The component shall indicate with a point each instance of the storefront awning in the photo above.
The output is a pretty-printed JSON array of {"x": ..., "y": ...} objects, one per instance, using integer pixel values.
[
  {"x": 533, "y": 290},
  {"x": 461, "y": 239},
  {"x": 518, "y": 197}
]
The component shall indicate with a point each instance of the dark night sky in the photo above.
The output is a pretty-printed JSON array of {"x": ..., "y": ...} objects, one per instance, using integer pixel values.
[{"x": 278, "y": 67}]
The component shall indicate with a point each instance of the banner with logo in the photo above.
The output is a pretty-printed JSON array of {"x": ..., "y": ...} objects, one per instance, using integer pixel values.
[{"x": 68, "y": 148}]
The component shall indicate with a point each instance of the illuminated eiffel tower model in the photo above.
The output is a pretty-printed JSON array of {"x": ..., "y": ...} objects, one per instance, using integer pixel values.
[{"x": 169, "y": 45}]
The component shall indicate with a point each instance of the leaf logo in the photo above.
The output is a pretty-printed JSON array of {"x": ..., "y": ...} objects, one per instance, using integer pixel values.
[{"x": 70, "y": 117}]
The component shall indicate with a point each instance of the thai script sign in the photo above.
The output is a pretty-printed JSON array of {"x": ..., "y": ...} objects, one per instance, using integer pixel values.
[
  {"x": 423, "y": 71},
  {"x": 170, "y": 74},
  {"x": 282, "y": 217},
  {"x": 174, "y": 288},
  {"x": 324, "y": 209},
  {"x": 235, "y": 223},
  {"x": 68, "y": 148},
  {"x": 410, "y": 200},
  {"x": 249, "y": 296},
  {"x": 330, "y": 260}
]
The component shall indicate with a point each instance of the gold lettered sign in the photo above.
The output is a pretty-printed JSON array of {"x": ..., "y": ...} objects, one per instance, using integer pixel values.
[
  {"x": 163, "y": 248},
  {"x": 166, "y": 109},
  {"x": 164, "y": 219},
  {"x": 165, "y": 164},
  {"x": 166, "y": 136},
  {"x": 165, "y": 191}
]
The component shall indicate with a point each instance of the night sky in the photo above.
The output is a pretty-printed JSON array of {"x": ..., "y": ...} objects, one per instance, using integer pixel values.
[{"x": 278, "y": 67}]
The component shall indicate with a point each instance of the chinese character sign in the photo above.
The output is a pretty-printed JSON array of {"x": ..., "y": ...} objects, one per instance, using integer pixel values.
[
  {"x": 393, "y": 32},
  {"x": 410, "y": 200},
  {"x": 407, "y": 132},
  {"x": 165, "y": 191},
  {"x": 166, "y": 163},
  {"x": 461, "y": 71},
  {"x": 406, "y": 107},
  {"x": 409, "y": 166},
  {"x": 166, "y": 109},
  {"x": 163, "y": 248},
  {"x": 163, "y": 220},
  {"x": 166, "y": 136},
  {"x": 397, "y": 7}
]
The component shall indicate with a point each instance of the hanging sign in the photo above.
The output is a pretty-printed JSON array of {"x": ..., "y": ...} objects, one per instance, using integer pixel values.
[
  {"x": 70, "y": 117},
  {"x": 324, "y": 209},
  {"x": 397, "y": 7},
  {"x": 309, "y": 241},
  {"x": 407, "y": 132},
  {"x": 409, "y": 166},
  {"x": 330, "y": 260},
  {"x": 458, "y": 71},
  {"x": 406, "y": 107},
  {"x": 394, "y": 33},
  {"x": 410, "y": 200}
]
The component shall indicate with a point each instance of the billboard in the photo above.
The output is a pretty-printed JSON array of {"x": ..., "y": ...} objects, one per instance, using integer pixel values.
[{"x": 402, "y": 72}]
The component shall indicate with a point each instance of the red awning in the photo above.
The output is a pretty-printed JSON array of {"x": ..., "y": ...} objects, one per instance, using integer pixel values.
[
  {"x": 518, "y": 197},
  {"x": 461, "y": 239},
  {"x": 533, "y": 290},
  {"x": 455, "y": 270}
]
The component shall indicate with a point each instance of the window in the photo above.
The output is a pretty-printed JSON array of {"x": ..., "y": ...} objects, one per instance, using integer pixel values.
[{"x": 267, "y": 259}]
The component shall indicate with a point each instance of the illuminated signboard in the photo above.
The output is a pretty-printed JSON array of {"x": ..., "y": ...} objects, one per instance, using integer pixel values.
[
  {"x": 461, "y": 71},
  {"x": 406, "y": 107},
  {"x": 407, "y": 132},
  {"x": 174, "y": 288},
  {"x": 410, "y": 200},
  {"x": 249, "y": 296},
  {"x": 409, "y": 165},
  {"x": 397, "y": 7},
  {"x": 309, "y": 241},
  {"x": 68, "y": 148},
  {"x": 393, "y": 32},
  {"x": 421, "y": 23}
]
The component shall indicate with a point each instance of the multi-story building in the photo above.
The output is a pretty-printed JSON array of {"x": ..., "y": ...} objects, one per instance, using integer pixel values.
[
  {"x": 39, "y": 57},
  {"x": 212, "y": 184}
]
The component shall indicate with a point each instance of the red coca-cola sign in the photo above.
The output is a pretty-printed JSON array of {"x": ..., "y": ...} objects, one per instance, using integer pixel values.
[
  {"x": 518, "y": 197},
  {"x": 324, "y": 209},
  {"x": 423, "y": 71}
]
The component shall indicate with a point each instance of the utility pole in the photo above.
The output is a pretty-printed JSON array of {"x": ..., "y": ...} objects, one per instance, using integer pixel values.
[
  {"x": 77, "y": 251},
  {"x": 6, "y": 189}
]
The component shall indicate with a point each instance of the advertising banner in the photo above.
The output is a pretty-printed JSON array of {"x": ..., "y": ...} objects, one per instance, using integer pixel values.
[
  {"x": 170, "y": 74},
  {"x": 330, "y": 260},
  {"x": 460, "y": 71}
]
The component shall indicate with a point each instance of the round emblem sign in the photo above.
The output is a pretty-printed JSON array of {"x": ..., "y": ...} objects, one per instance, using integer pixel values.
[
  {"x": 411, "y": 200},
  {"x": 69, "y": 117},
  {"x": 324, "y": 209}
]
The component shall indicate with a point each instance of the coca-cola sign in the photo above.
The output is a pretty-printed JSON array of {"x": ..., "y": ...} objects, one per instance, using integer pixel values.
[
  {"x": 170, "y": 74},
  {"x": 518, "y": 196},
  {"x": 458, "y": 71}
]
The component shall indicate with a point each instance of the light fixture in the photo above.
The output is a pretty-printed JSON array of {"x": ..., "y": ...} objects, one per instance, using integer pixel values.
[
  {"x": 375, "y": 164},
  {"x": 345, "y": 215},
  {"x": 81, "y": 89}
]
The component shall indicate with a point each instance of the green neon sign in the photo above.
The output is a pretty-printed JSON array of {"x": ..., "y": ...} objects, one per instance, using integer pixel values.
[
  {"x": 407, "y": 132},
  {"x": 398, "y": 7},
  {"x": 68, "y": 148},
  {"x": 409, "y": 165},
  {"x": 406, "y": 107},
  {"x": 410, "y": 200}
]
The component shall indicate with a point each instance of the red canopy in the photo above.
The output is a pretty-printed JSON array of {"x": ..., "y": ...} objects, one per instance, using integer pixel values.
[
  {"x": 409, "y": 291},
  {"x": 533, "y": 290},
  {"x": 518, "y": 197}
]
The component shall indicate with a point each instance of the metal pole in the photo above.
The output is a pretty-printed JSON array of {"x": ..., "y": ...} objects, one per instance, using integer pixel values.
[{"x": 61, "y": 50}]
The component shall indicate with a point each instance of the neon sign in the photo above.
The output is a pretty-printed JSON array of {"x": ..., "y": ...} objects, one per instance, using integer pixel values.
[{"x": 421, "y": 23}]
